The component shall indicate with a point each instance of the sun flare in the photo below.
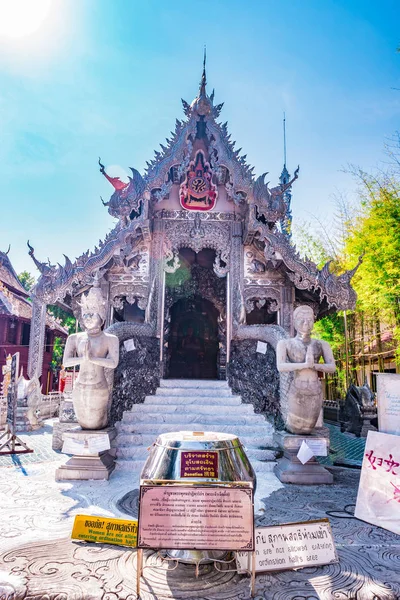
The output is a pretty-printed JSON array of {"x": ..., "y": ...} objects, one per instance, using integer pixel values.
[{"x": 20, "y": 18}]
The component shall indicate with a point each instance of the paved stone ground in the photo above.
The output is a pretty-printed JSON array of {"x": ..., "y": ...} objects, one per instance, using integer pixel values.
[
  {"x": 38, "y": 561},
  {"x": 38, "y": 441}
]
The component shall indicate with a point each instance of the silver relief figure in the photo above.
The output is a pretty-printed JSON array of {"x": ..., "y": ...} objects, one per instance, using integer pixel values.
[
  {"x": 302, "y": 355},
  {"x": 94, "y": 351}
]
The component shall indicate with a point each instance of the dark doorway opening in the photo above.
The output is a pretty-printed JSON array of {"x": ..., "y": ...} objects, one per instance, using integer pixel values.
[{"x": 193, "y": 339}]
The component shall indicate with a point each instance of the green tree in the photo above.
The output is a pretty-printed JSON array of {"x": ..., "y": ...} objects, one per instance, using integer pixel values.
[
  {"x": 375, "y": 234},
  {"x": 371, "y": 228},
  {"x": 27, "y": 280},
  {"x": 322, "y": 243},
  {"x": 69, "y": 322}
]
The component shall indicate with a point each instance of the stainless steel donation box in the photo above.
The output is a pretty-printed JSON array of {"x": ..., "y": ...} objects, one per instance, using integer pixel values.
[
  {"x": 186, "y": 460},
  {"x": 197, "y": 456}
]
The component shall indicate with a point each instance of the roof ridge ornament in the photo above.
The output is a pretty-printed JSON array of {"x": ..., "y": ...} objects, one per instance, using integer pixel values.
[
  {"x": 126, "y": 201},
  {"x": 202, "y": 104},
  {"x": 203, "y": 81},
  {"x": 115, "y": 181}
]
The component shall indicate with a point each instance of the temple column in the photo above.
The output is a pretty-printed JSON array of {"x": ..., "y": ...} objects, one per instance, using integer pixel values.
[
  {"x": 286, "y": 315},
  {"x": 36, "y": 340},
  {"x": 228, "y": 318},
  {"x": 238, "y": 314},
  {"x": 162, "y": 317},
  {"x": 157, "y": 278},
  {"x": 18, "y": 335}
]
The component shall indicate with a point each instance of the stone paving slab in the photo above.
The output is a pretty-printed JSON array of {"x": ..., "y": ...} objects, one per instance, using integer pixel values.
[
  {"x": 38, "y": 560},
  {"x": 40, "y": 442}
]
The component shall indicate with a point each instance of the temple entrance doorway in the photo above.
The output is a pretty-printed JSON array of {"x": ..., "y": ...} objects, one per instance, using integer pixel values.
[{"x": 193, "y": 340}]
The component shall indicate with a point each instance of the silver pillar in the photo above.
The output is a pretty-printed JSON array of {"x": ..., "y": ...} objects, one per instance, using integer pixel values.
[{"x": 36, "y": 340}]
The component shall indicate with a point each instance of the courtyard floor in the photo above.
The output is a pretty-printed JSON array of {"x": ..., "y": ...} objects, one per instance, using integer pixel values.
[{"x": 39, "y": 561}]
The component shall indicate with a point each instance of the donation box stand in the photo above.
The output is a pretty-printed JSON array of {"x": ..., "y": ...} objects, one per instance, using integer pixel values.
[{"x": 196, "y": 499}]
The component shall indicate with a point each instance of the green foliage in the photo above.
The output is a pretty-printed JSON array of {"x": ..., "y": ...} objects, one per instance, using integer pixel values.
[
  {"x": 58, "y": 352},
  {"x": 69, "y": 322},
  {"x": 27, "y": 280},
  {"x": 369, "y": 228},
  {"x": 376, "y": 234},
  {"x": 331, "y": 329}
]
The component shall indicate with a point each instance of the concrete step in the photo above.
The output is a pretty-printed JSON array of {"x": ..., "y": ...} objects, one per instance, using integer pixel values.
[
  {"x": 198, "y": 392},
  {"x": 209, "y": 400},
  {"x": 201, "y": 409},
  {"x": 125, "y": 438},
  {"x": 194, "y": 383},
  {"x": 192, "y": 405},
  {"x": 136, "y": 466},
  {"x": 238, "y": 430},
  {"x": 141, "y": 453},
  {"x": 185, "y": 418}
]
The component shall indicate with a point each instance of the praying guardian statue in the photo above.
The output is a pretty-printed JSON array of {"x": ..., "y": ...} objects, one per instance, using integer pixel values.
[
  {"x": 302, "y": 355},
  {"x": 93, "y": 351}
]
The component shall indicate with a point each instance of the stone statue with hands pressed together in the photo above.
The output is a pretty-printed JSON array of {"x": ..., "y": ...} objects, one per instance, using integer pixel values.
[
  {"x": 94, "y": 351},
  {"x": 302, "y": 355}
]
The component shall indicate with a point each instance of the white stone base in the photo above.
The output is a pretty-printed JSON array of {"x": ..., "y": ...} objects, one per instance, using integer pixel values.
[
  {"x": 88, "y": 464},
  {"x": 290, "y": 470}
]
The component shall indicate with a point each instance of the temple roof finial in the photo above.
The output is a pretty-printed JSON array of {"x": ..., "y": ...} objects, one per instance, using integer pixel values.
[
  {"x": 284, "y": 139},
  {"x": 202, "y": 104},
  {"x": 203, "y": 82}
]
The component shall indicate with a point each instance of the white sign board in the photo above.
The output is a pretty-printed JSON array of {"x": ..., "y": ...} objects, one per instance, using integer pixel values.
[
  {"x": 312, "y": 447},
  {"x": 291, "y": 546},
  {"x": 69, "y": 380},
  {"x": 129, "y": 345},
  {"x": 305, "y": 453},
  {"x": 86, "y": 446},
  {"x": 99, "y": 443},
  {"x": 378, "y": 499},
  {"x": 71, "y": 446},
  {"x": 318, "y": 446},
  {"x": 388, "y": 392},
  {"x": 261, "y": 347}
]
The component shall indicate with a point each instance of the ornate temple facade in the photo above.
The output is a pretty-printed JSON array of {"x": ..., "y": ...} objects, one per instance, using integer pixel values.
[{"x": 199, "y": 267}]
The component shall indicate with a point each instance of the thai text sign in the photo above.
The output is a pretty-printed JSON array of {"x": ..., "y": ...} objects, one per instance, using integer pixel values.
[
  {"x": 378, "y": 499},
  {"x": 82, "y": 444},
  {"x": 103, "y": 529},
  {"x": 319, "y": 447},
  {"x": 196, "y": 518},
  {"x": 199, "y": 464},
  {"x": 70, "y": 378},
  {"x": 12, "y": 394},
  {"x": 291, "y": 546},
  {"x": 388, "y": 392}
]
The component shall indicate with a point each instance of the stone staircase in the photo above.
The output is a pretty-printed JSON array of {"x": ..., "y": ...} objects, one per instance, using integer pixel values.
[{"x": 192, "y": 405}]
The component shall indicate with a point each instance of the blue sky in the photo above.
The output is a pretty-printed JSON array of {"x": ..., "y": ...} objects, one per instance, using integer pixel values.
[{"x": 105, "y": 78}]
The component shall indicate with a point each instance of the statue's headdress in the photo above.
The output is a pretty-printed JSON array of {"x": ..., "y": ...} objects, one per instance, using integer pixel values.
[{"x": 94, "y": 302}]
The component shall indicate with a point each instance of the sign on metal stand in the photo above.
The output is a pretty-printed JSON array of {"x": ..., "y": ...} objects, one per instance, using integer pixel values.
[
  {"x": 196, "y": 516},
  {"x": 12, "y": 441}
]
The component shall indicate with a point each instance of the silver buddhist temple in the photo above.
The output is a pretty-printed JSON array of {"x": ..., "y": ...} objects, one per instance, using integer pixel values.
[{"x": 199, "y": 268}]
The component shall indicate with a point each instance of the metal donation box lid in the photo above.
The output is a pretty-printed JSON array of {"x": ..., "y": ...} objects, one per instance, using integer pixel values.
[{"x": 198, "y": 456}]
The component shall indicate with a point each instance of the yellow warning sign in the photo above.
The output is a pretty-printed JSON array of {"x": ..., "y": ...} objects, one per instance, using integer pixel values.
[{"x": 105, "y": 530}]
